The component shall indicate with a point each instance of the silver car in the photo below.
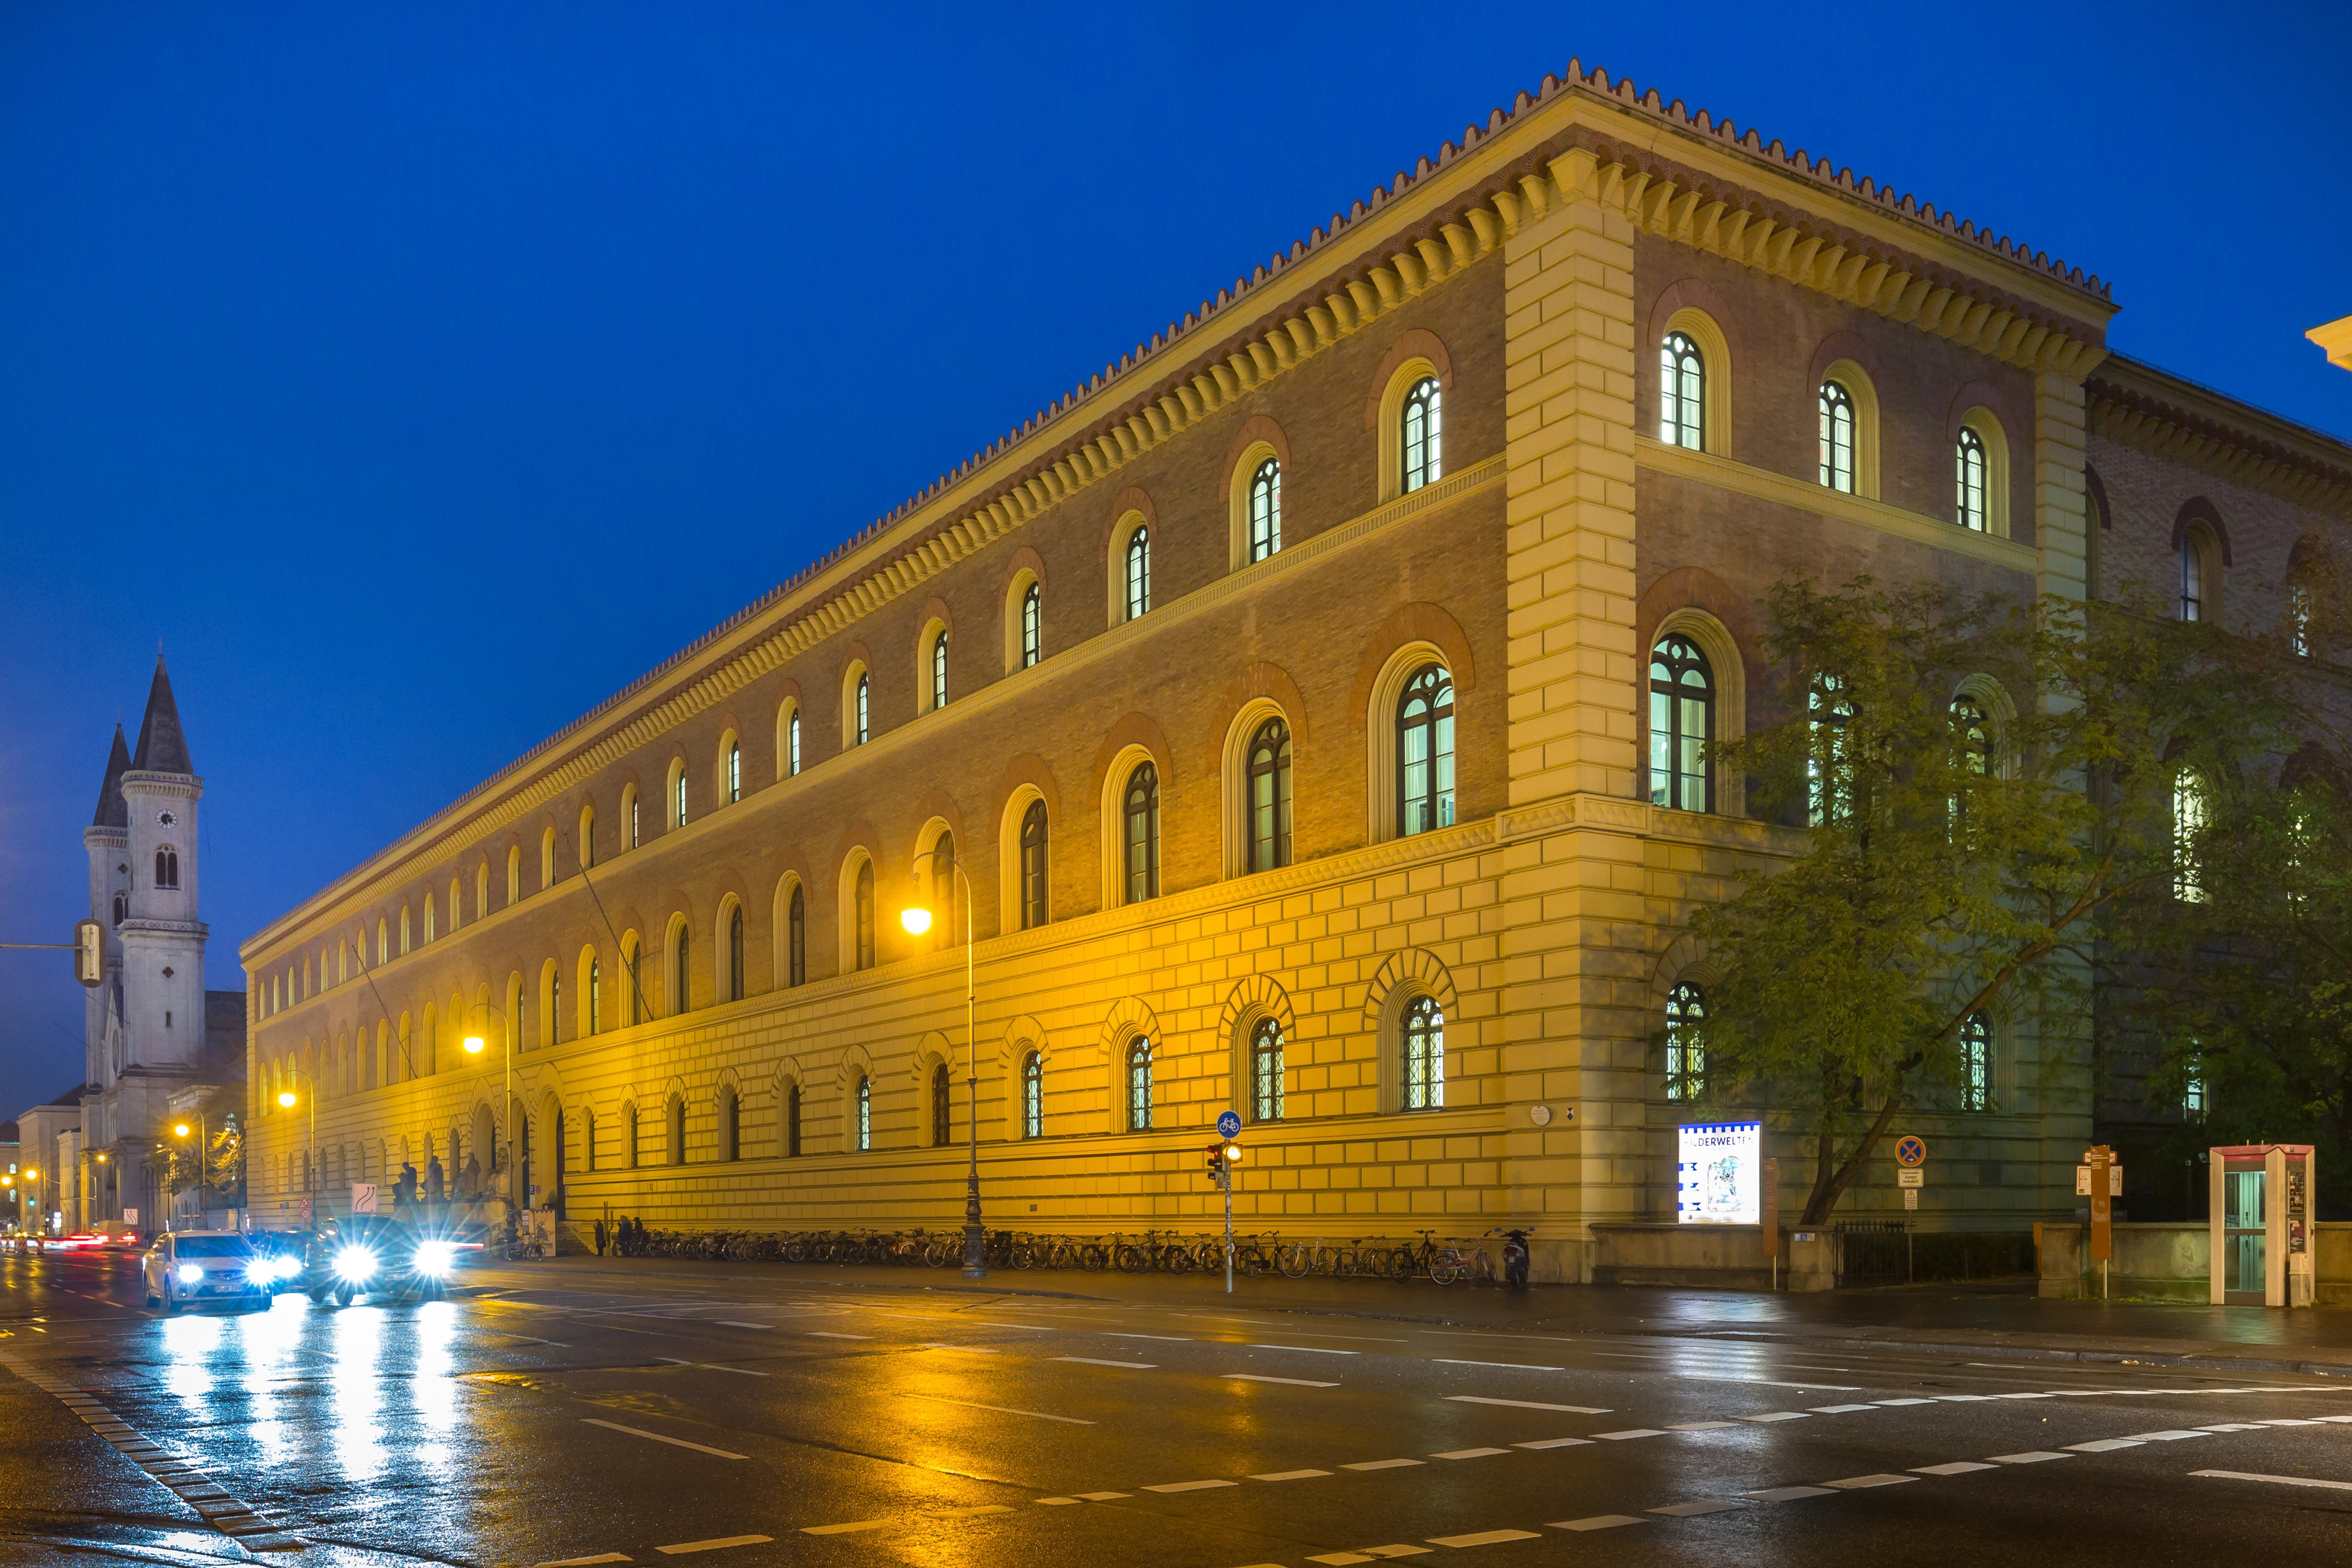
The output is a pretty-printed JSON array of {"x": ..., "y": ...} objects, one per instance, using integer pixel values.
[{"x": 185, "y": 1267}]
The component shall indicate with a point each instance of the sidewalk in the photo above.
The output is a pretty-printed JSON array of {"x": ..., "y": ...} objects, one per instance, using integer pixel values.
[{"x": 2006, "y": 1317}]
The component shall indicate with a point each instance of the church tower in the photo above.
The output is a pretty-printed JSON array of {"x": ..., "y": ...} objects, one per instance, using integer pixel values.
[{"x": 162, "y": 939}]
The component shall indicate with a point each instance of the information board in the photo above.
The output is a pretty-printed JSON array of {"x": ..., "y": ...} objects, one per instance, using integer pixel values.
[{"x": 1719, "y": 1168}]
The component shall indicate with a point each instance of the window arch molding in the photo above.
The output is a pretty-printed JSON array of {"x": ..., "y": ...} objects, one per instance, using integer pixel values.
[
  {"x": 855, "y": 1066},
  {"x": 1131, "y": 596},
  {"x": 591, "y": 1003},
  {"x": 1134, "y": 738},
  {"x": 1685, "y": 961},
  {"x": 1999, "y": 711},
  {"x": 628, "y": 1007},
  {"x": 2198, "y": 527},
  {"x": 550, "y": 1008},
  {"x": 1403, "y": 979},
  {"x": 727, "y": 782},
  {"x": 1981, "y": 407},
  {"x": 1730, "y": 671},
  {"x": 1252, "y": 1001},
  {"x": 1849, "y": 373},
  {"x": 937, "y": 623},
  {"x": 1259, "y": 439},
  {"x": 1132, "y": 510},
  {"x": 788, "y": 710},
  {"x": 1026, "y": 780},
  {"x": 677, "y": 954},
  {"x": 782, "y": 971},
  {"x": 932, "y": 1053},
  {"x": 1024, "y": 571},
  {"x": 857, "y": 664},
  {"x": 1415, "y": 634},
  {"x": 547, "y": 860},
  {"x": 1416, "y": 356},
  {"x": 1704, "y": 330},
  {"x": 673, "y": 788},
  {"x": 726, "y": 983},
  {"x": 1233, "y": 773},
  {"x": 855, "y": 943}
]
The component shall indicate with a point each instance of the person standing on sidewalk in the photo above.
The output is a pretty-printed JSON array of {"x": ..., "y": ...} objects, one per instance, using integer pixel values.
[{"x": 600, "y": 1238}]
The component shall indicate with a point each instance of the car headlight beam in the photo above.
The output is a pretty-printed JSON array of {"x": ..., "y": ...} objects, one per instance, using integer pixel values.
[
  {"x": 355, "y": 1264},
  {"x": 188, "y": 1274},
  {"x": 435, "y": 1257}
]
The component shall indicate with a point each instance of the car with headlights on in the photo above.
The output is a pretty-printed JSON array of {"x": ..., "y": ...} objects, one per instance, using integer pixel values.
[
  {"x": 371, "y": 1255},
  {"x": 191, "y": 1267}
]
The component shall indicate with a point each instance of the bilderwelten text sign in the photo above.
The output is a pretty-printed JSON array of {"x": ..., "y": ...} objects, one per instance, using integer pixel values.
[{"x": 1719, "y": 1168}]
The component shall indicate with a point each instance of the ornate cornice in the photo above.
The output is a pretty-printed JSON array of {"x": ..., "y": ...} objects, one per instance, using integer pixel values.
[{"x": 2143, "y": 408}]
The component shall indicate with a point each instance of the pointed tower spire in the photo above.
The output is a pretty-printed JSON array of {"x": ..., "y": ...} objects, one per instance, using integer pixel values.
[
  {"x": 162, "y": 747},
  {"x": 112, "y": 812}
]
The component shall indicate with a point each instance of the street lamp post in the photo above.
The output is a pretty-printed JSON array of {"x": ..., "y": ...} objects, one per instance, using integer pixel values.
[
  {"x": 475, "y": 1046},
  {"x": 288, "y": 1098},
  {"x": 204, "y": 1157},
  {"x": 917, "y": 919}
]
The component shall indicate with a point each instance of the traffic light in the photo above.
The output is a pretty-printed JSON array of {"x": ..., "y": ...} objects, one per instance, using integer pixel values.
[{"x": 1224, "y": 1155}]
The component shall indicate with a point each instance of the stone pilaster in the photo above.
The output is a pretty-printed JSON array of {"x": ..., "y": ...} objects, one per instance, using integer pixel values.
[{"x": 2061, "y": 503}]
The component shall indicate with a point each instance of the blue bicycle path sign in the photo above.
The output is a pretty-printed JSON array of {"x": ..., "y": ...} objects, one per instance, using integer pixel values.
[{"x": 1229, "y": 1125}]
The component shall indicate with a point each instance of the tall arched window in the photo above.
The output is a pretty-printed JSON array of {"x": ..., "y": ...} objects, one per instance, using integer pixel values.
[
  {"x": 678, "y": 799},
  {"x": 676, "y": 1133},
  {"x": 1424, "y": 1055},
  {"x": 793, "y": 1119},
  {"x": 861, "y": 1132},
  {"x": 554, "y": 1007},
  {"x": 628, "y": 809},
  {"x": 1139, "y": 1085},
  {"x": 121, "y": 908},
  {"x": 1423, "y": 434},
  {"x": 1139, "y": 572},
  {"x": 864, "y": 898},
  {"x": 793, "y": 746},
  {"x": 1682, "y": 392},
  {"x": 167, "y": 867},
  {"x": 1682, "y": 725},
  {"x": 1265, "y": 509},
  {"x": 1685, "y": 1056},
  {"x": 1425, "y": 724},
  {"x": 796, "y": 938},
  {"x": 1033, "y": 1095},
  {"x": 681, "y": 997},
  {"x": 2189, "y": 812},
  {"x": 942, "y": 1106},
  {"x": 1269, "y": 796},
  {"x": 1976, "y": 1062},
  {"x": 595, "y": 995},
  {"x": 1032, "y": 626},
  {"x": 1971, "y": 758},
  {"x": 1968, "y": 465},
  {"x": 1266, "y": 1071},
  {"x": 734, "y": 771},
  {"x": 731, "y": 1125},
  {"x": 629, "y": 962},
  {"x": 1033, "y": 866},
  {"x": 1837, "y": 437},
  {"x": 2192, "y": 578},
  {"x": 629, "y": 1143},
  {"x": 1143, "y": 833},
  {"x": 939, "y": 671},
  {"x": 735, "y": 953},
  {"x": 1829, "y": 770}
]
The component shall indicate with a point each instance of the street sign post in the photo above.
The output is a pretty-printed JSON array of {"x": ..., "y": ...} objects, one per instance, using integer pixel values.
[
  {"x": 1769, "y": 1206},
  {"x": 1229, "y": 1125},
  {"x": 1224, "y": 1155},
  {"x": 2101, "y": 1163},
  {"x": 362, "y": 1197},
  {"x": 1910, "y": 1151}
]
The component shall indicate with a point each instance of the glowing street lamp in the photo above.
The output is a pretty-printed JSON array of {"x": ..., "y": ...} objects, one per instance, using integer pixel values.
[
  {"x": 475, "y": 1045},
  {"x": 286, "y": 1097},
  {"x": 917, "y": 920}
]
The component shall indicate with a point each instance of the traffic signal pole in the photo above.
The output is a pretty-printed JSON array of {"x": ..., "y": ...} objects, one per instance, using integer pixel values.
[{"x": 1226, "y": 1180}]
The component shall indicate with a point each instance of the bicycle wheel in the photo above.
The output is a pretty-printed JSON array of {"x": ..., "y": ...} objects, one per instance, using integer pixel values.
[
  {"x": 1176, "y": 1259},
  {"x": 1133, "y": 1260},
  {"x": 1094, "y": 1256},
  {"x": 1448, "y": 1269},
  {"x": 1297, "y": 1259}
]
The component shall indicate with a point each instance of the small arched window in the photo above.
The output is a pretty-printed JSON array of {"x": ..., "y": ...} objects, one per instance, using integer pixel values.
[
  {"x": 629, "y": 962},
  {"x": 1033, "y": 625},
  {"x": 734, "y": 771},
  {"x": 1423, "y": 434},
  {"x": 1971, "y": 757},
  {"x": 1829, "y": 770},
  {"x": 1686, "y": 1055},
  {"x": 1139, "y": 572},
  {"x": 735, "y": 953},
  {"x": 1837, "y": 436},
  {"x": 676, "y": 1133},
  {"x": 1265, "y": 509},
  {"x": 121, "y": 908},
  {"x": 1033, "y": 1095},
  {"x": 793, "y": 1121},
  {"x": 1143, "y": 833},
  {"x": 630, "y": 1150},
  {"x": 796, "y": 937},
  {"x": 1033, "y": 866},
  {"x": 167, "y": 867},
  {"x": 939, "y": 671},
  {"x": 861, "y": 1131},
  {"x": 1969, "y": 474},
  {"x": 554, "y": 1007},
  {"x": 943, "y": 892},
  {"x": 680, "y": 971},
  {"x": 1424, "y": 1055},
  {"x": 1425, "y": 724},
  {"x": 731, "y": 1125},
  {"x": 1682, "y": 392},
  {"x": 2192, "y": 578},
  {"x": 678, "y": 799},
  {"x": 1268, "y": 783},
  {"x": 1139, "y": 1085},
  {"x": 1682, "y": 725},
  {"x": 863, "y": 716},
  {"x": 793, "y": 745},
  {"x": 2188, "y": 814},
  {"x": 628, "y": 809},
  {"x": 865, "y": 914},
  {"x": 595, "y": 997},
  {"x": 1976, "y": 1062},
  {"x": 1266, "y": 1071},
  {"x": 942, "y": 1106}
]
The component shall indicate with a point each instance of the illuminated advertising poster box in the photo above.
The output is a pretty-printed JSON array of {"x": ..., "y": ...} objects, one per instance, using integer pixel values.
[{"x": 1718, "y": 1174}]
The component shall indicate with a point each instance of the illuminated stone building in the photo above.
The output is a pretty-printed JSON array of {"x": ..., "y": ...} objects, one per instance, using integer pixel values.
[{"x": 1294, "y": 694}]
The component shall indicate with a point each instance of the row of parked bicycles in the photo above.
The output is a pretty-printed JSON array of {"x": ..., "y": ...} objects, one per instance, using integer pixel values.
[{"x": 1451, "y": 1262}]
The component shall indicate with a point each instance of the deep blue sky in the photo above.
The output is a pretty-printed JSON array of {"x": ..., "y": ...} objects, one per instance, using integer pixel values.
[{"x": 419, "y": 375}]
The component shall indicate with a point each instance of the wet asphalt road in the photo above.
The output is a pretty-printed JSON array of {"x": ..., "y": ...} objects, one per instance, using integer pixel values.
[{"x": 795, "y": 1418}]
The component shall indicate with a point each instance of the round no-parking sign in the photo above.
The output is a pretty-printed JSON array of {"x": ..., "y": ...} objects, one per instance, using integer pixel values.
[{"x": 1910, "y": 1151}]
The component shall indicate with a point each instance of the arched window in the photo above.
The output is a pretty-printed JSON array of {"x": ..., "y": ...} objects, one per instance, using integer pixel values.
[
  {"x": 1837, "y": 436},
  {"x": 1971, "y": 756},
  {"x": 1976, "y": 1062},
  {"x": 1969, "y": 473},
  {"x": 628, "y": 809},
  {"x": 939, "y": 671},
  {"x": 865, "y": 899},
  {"x": 681, "y": 997},
  {"x": 734, "y": 771},
  {"x": 864, "y": 715},
  {"x": 1139, "y": 1085},
  {"x": 629, "y": 1136},
  {"x": 2192, "y": 578},
  {"x": 676, "y": 1130},
  {"x": 1269, "y": 796},
  {"x": 678, "y": 799},
  {"x": 2189, "y": 812},
  {"x": 1266, "y": 1071},
  {"x": 1686, "y": 1055},
  {"x": 735, "y": 953},
  {"x": 793, "y": 745},
  {"x": 1033, "y": 625},
  {"x": 1682, "y": 392},
  {"x": 629, "y": 962},
  {"x": 796, "y": 938},
  {"x": 1265, "y": 509},
  {"x": 1422, "y": 435},
  {"x": 1139, "y": 572},
  {"x": 587, "y": 1140},
  {"x": 595, "y": 995},
  {"x": 1143, "y": 833},
  {"x": 1424, "y": 1055},
  {"x": 1033, "y": 1095},
  {"x": 1033, "y": 866},
  {"x": 514, "y": 881},
  {"x": 1828, "y": 771},
  {"x": 1425, "y": 724},
  {"x": 942, "y": 1106},
  {"x": 167, "y": 867},
  {"x": 121, "y": 908},
  {"x": 555, "y": 1006},
  {"x": 1682, "y": 725},
  {"x": 793, "y": 1119},
  {"x": 731, "y": 1125},
  {"x": 861, "y": 1131}
]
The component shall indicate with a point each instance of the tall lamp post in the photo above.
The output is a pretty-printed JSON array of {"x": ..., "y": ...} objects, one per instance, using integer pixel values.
[
  {"x": 917, "y": 919},
  {"x": 475, "y": 1046},
  {"x": 204, "y": 1160},
  {"x": 288, "y": 1098}
]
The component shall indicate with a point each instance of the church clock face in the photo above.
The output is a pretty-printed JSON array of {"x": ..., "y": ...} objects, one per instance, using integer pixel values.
[{"x": 165, "y": 817}]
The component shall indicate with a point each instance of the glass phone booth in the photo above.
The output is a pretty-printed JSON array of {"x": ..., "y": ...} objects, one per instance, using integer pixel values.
[{"x": 2262, "y": 1225}]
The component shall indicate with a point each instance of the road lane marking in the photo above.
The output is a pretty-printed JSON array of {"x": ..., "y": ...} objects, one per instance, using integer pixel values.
[
  {"x": 1858, "y": 1483},
  {"x": 1525, "y": 1404},
  {"x": 1891, "y": 1403},
  {"x": 846, "y": 1528},
  {"x": 1090, "y": 1361},
  {"x": 1697, "y": 1427},
  {"x": 683, "y": 1547},
  {"x": 1506, "y": 1365},
  {"x": 1841, "y": 1409},
  {"x": 828, "y": 1333},
  {"x": 1630, "y": 1432},
  {"x": 1288, "y": 1475},
  {"x": 967, "y": 1349},
  {"x": 1598, "y": 1521},
  {"x": 1469, "y": 1453},
  {"x": 1776, "y": 1416},
  {"x": 1307, "y": 1349},
  {"x": 1399, "y": 1550},
  {"x": 1102, "y": 1496},
  {"x": 1171, "y": 1338},
  {"x": 1294, "y": 1381},
  {"x": 2275, "y": 1480},
  {"x": 1556, "y": 1443},
  {"x": 1381, "y": 1465},
  {"x": 1786, "y": 1494},
  {"x": 1000, "y": 1409},
  {"x": 1341, "y": 1559},
  {"x": 2032, "y": 1457},
  {"x": 731, "y": 1323},
  {"x": 1775, "y": 1382},
  {"x": 1957, "y": 1468},
  {"x": 587, "y": 1561},
  {"x": 1190, "y": 1486},
  {"x": 1689, "y": 1509},
  {"x": 1483, "y": 1537},
  {"x": 2101, "y": 1446},
  {"x": 657, "y": 1436}
]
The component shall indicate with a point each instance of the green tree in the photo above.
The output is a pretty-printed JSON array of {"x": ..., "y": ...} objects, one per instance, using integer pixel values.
[{"x": 1976, "y": 780}]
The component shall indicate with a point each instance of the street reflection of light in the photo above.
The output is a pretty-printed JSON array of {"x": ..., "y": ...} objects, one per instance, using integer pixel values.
[
  {"x": 188, "y": 1343},
  {"x": 269, "y": 1341},
  {"x": 357, "y": 1396},
  {"x": 433, "y": 1391}
]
